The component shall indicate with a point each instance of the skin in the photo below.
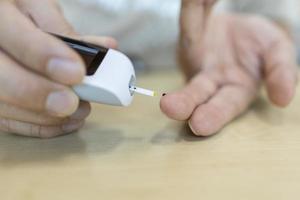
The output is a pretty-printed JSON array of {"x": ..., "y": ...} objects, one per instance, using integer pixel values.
[
  {"x": 226, "y": 58},
  {"x": 35, "y": 95}
]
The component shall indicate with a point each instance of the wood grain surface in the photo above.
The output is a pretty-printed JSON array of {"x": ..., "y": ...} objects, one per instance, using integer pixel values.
[{"x": 136, "y": 153}]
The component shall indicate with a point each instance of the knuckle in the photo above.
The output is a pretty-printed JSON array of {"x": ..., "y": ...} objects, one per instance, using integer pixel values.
[
  {"x": 44, "y": 132},
  {"x": 49, "y": 132},
  {"x": 35, "y": 130},
  {"x": 29, "y": 94},
  {"x": 30, "y": 129},
  {"x": 4, "y": 125},
  {"x": 51, "y": 121}
]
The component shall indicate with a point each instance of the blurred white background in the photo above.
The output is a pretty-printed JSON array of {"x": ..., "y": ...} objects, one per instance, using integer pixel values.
[{"x": 147, "y": 30}]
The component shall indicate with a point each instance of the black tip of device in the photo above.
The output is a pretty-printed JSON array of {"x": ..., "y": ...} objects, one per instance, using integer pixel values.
[{"x": 164, "y": 94}]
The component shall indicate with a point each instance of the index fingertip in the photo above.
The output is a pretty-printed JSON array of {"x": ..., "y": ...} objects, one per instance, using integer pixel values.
[
  {"x": 281, "y": 86},
  {"x": 176, "y": 106}
]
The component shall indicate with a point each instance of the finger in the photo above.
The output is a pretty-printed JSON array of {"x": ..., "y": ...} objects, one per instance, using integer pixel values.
[
  {"x": 229, "y": 102},
  {"x": 180, "y": 105},
  {"x": 192, "y": 21},
  {"x": 107, "y": 42},
  {"x": 82, "y": 112},
  {"x": 281, "y": 72},
  {"x": 18, "y": 114},
  {"x": 192, "y": 18},
  {"x": 54, "y": 21},
  {"x": 48, "y": 16},
  {"x": 33, "y": 130},
  {"x": 37, "y": 50},
  {"x": 27, "y": 90}
]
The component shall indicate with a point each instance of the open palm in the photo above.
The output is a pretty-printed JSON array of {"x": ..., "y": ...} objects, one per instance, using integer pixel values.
[{"x": 225, "y": 63}]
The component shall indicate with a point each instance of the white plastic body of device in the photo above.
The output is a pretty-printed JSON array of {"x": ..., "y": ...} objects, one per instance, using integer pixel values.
[
  {"x": 110, "y": 83},
  {"x": 110, "y": 74}
]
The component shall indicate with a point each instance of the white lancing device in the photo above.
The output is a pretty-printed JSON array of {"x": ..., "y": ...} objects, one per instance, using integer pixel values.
[{"x": 110, "y": 75}]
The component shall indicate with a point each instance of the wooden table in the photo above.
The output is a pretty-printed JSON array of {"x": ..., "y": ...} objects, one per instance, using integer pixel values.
[{"x": 136, "y": 153}]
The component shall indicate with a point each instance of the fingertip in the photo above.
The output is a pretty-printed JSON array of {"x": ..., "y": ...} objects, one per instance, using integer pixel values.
[
  {"x": 111, "y": 43},
  {"x": 82, "y": 112},
  {"x": 107, "y": 42},
  {"x": 205, "y": 122},
  {"x": 62, "y": 103},
  {"x": 281, "y": 88},
  {"x": 176, "y": 106},
  {"x": 201, "y": 129},
  {"x": 281, "y": 100}
]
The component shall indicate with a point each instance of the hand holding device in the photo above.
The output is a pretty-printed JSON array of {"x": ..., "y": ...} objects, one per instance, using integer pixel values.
[
  {"x": 35, "y": 95},
  {"x": 110, "y": 77}
]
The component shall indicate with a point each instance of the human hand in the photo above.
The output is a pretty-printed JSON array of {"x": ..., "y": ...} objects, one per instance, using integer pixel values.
[
  {"x": 226, "y": 59},
  {"x": 38, "y": 69}
]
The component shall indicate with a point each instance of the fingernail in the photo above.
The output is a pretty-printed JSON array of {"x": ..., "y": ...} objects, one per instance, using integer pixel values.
[
  {"x": 62, "y": 103},
  {"x": 191, "y": 127},
  {"x": 65, "y": 70},
  {"x": 67, "y": 128}
]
